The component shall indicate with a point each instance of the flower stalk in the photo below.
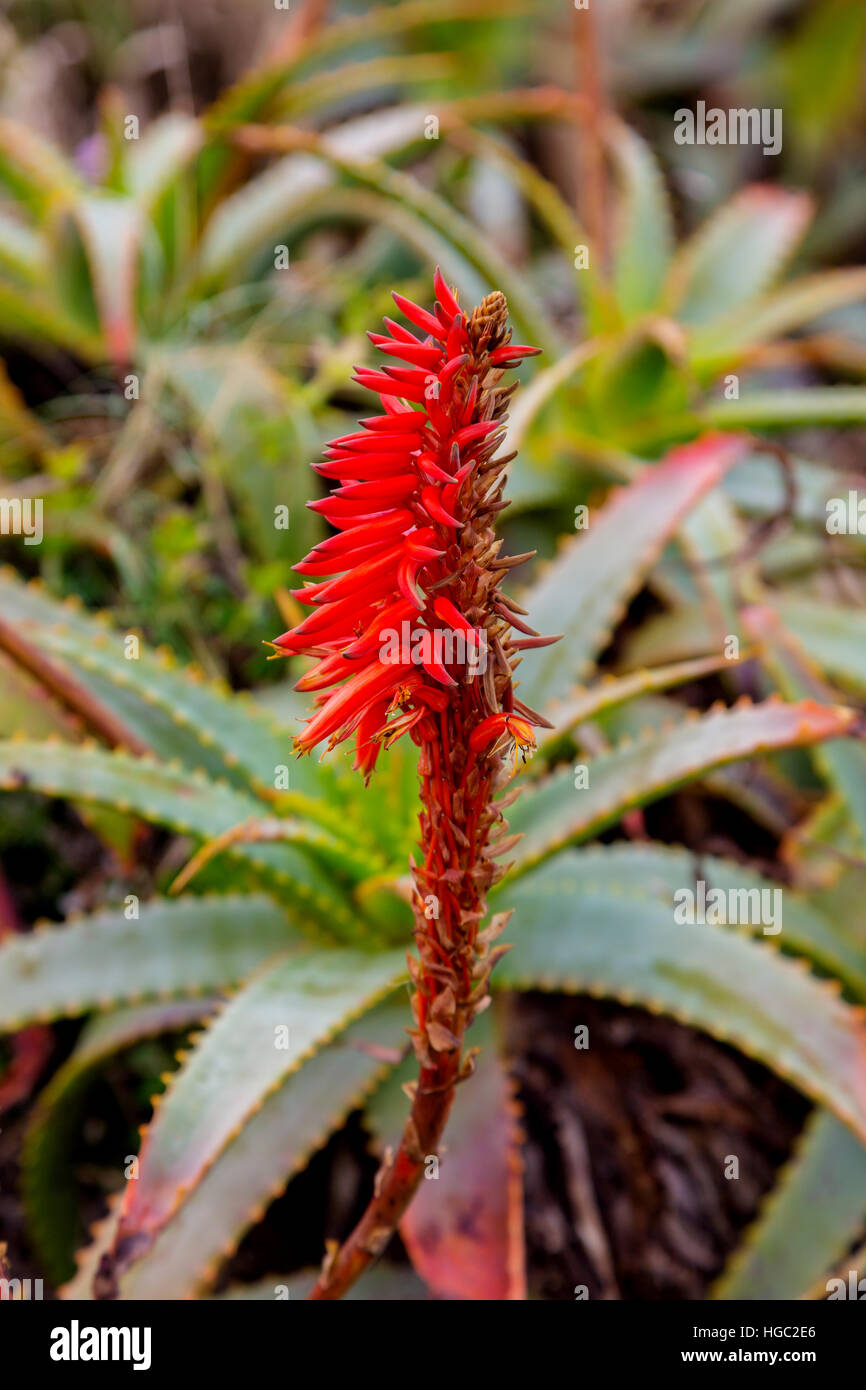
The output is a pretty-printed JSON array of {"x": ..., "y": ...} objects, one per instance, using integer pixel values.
[{"x": 420, "y": 488}]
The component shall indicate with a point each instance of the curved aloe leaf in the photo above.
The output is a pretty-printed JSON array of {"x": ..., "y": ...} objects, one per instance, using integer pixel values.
[
  {"x": 585, "y": 589},
  {"x": 88, "y": 1258},
  {"x": 172, "y": 710},
  {"x": 843, "y": 765},
  {"x": 834, "y": 636},
  {"x": 277, "y": 1142},
  {"x": 761, "y": 789},
  {"x": 417, "y": 199},
  {"x": 254, "y": 93},
  {"x": 340, "y": 857},
  {"x": 245, "y": 221},
  {"x": 788, "y": 308},
  {"x": 679, "y": 635},
  {"x": 712, "y": 978},
  {"x": 654, "y": 872},
  {"x": 352, "y": 149},
  {"x": 46, "y": 1179},
  {"x": 644, "y": 239},
  {"x": 557, "y": 811},
  {"x": 808, "y": 1222},
  {"x": 111, "y": 230},
  {"x": 811, "y": 405},
  {"x": 277, "y": 1021},
  {"x": 33, "y": 168},
  {"x": 165, "y": 149},
  {"x": 737, "y": 252},
  {"x": 612, "y": 691},
  {"x": 182, "y": 801},
  {"x": 22, "y": 251},
  {"x": 173, "y": 948},
  {"x": 332, "y": 87}
]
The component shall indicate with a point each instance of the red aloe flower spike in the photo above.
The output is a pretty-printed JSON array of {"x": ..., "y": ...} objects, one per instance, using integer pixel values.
[{"x": 414, "y": 637}]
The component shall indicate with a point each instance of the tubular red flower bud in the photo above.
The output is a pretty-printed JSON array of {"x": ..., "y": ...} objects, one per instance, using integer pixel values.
[{"x": 431, "y": 501}]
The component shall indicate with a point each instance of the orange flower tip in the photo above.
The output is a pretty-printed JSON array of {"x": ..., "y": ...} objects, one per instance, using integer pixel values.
[{"x": 497, "y": 725}]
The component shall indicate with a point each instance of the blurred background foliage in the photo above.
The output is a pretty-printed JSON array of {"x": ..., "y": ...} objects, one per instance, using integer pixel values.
[{"x": 164, "y": 384}]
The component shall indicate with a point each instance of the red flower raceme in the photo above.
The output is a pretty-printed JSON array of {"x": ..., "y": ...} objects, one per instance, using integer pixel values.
[
  {"x": 418, "y": 490},
  {"x": 411, "y": 634}
]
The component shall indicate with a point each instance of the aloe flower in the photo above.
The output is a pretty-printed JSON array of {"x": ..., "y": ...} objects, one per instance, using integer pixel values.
[{"x": 412, "y": 634}]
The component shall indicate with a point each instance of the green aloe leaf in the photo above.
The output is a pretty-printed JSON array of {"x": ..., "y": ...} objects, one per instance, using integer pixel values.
[
  {"x": 175, "y": 711},
  {"x": 650, "y": 871},
  {"x": 833, "y": 635},
  {"x": 811, "y": 405},
  {"x": 33, "y": 169},
  {"x": 585, "y": 589},
  {"x": 844, "y": 765},
  {"x": 277, "y": 1141},
  {"x": 188, "y": 946},
  {"x": 251, "y": 218},
  {"x": 110, "y": 229},
  {"x": 163, "y": 151},
  {"x": 739, "y": 990},
  {"x": 252, "y": 96},
  {"x": 737, "y": 252},
  {"x": 22, "y": 251},
  {"x": 277, "y": 1021},
  {"x": 612, "y": 691},
  {"x": 28, "y": 315},
  {"x": 786, "y": 309},
  {"x": 808, "y": 1222},
  {"x": 184, "y": 802},
  {"x": 46, "y": 1177},
  {"x": 415, "y": 199},
  {"x": 561, "y": 810},
  {"x": 88, "y": 1258},
  {"x": 644, "y": 239}
]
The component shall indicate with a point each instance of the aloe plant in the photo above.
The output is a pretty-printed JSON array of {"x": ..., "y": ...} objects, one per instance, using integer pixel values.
[{"x": 306, "y": 931}]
